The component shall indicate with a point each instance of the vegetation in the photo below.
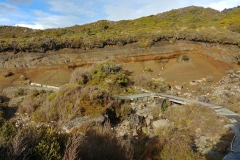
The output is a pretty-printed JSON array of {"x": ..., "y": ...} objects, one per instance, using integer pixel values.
[
  {"x": 209, "y": 78},
  {"x": 188, "y": 118},
  {"x": 190, "y": 23},
  {"x": 177, "y": 140},
  {"x": 33, "y": 142},
  {"x": 146, "y": 81},
  {"x": 102, "y": 143},
  {"x": 90, "y": 93},
  {"x": 181, "y": 153},
  {"x": 30, "y": 142},
  {"x": 183, "y": 58}
]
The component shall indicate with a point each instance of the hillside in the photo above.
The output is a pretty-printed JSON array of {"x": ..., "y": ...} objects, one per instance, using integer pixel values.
[
  {"x": 190, "y": 23},
  {"x": 143, "y": 87}
]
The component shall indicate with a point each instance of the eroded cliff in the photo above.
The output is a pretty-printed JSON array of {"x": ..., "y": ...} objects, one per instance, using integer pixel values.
[{"x": 128, "y": 53}]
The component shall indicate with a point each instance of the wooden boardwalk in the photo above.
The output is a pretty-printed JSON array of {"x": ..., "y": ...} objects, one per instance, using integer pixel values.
[
  {"x": 179, "y": 100},
  {"x": 235, "y": 145}
]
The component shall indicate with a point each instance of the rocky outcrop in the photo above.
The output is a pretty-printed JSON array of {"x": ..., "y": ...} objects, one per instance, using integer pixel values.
[{"x": 129, "y": 53}]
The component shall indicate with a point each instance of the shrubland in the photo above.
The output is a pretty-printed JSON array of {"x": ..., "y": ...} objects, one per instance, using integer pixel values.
[
  {"x": 180, "y": 138},
  {"x": 90, "y": 93},
  {"x": 189, "y": 23},
  {"x": 43, "y": 142},
  {"x": 146, "y": 81}
]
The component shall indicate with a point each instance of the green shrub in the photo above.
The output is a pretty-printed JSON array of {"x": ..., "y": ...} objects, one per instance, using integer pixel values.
[
  {"x": 149, "y": 70},
  {"x": 126, "y": 110},
  {"x": 7, "y": 130},
  {"x": 209, "y": 78},
  {"x": 20, "y": 92},
  {"x": 122, "y": 79},
  {"x": 22, "y": 77},
  {"x": 183, "y": 58},
  {"x": 164, "y": 107},
  {"x": 48, "y": 147},
  {"x": 189, "y": 23},
  {"x": 31, "y": 142},
  {"x": 72, "y": 101},
  {"x": 159, "y": 85},
  {"x": 103, "y": 70},
  {"x": 51, "y": 97}
]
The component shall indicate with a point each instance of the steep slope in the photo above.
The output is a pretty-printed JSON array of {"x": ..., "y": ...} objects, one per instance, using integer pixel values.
[{"x": 54, "y": 68}]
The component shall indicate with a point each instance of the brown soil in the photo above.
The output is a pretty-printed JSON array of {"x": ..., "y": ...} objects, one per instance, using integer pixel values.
[
  {"x": 52, "y": 68},
  {"x": 54, "y": 77},
  {"x": 199, "y": 66},
  {"x": 48, "y": 76}
]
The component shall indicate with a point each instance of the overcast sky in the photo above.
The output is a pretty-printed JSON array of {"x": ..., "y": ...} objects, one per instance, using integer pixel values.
[{"x": 41, "y": 14}]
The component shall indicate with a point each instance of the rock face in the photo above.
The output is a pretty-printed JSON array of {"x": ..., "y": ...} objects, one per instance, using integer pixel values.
[
  {"x": 128, "y": 53},
  {"x": 227, "y": 91},
  {"x": 78, "y": 122}
]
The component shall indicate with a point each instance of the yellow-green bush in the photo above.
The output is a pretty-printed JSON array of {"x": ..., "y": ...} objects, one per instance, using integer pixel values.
[
  {"x": 183, "y": 23},
  {"x": 178, "y": 150},
  {"x": 48, "y": 147}
]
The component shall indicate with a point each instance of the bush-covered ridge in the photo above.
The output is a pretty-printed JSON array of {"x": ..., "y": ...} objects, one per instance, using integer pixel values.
[{"x": 190, "y": 23}]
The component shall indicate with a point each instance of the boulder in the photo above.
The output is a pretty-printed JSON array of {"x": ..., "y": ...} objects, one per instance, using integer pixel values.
[
  {"x": 148, "y": 121},
  {"x": 145, "y": 99},
  {"x": 203, "y": 140},
  {"x": 160, "y": 123},
  {"x": 7, "y": 74},
  {"x": 139, "y": 113},
  {"x": 126, "y": 123},
  {"x": 145, "y": 114},
  {"x": 203, "y": 98},
  {"x": 179, "y": 87},
  {"x": 140, "y": 106},
  {"x": 99, "y": 119},
  {"x": 193, "y": 83},
  {"x": 134, "y": 133},
  {"x": 232, "y": 120},
  {"x": 150, "y": 116}
]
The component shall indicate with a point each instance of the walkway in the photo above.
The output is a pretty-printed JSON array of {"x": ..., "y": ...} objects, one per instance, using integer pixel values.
[
  {"x": 180, "y": 100},
  {"x": 235, "y": 145}
]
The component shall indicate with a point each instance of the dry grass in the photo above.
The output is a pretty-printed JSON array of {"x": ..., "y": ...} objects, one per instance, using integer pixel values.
[
  {"x": 73, "y": 101},
  {"x": 179, "y": 150},
  {"x": 72, "y": 147},
  {"x": 32, "y": 101},
  {"x": 80, "y": 75},
  {"x": 193, "y": 118},
  {"x": 143, "y": 80},
  {"x": 102, "y": 143}
]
